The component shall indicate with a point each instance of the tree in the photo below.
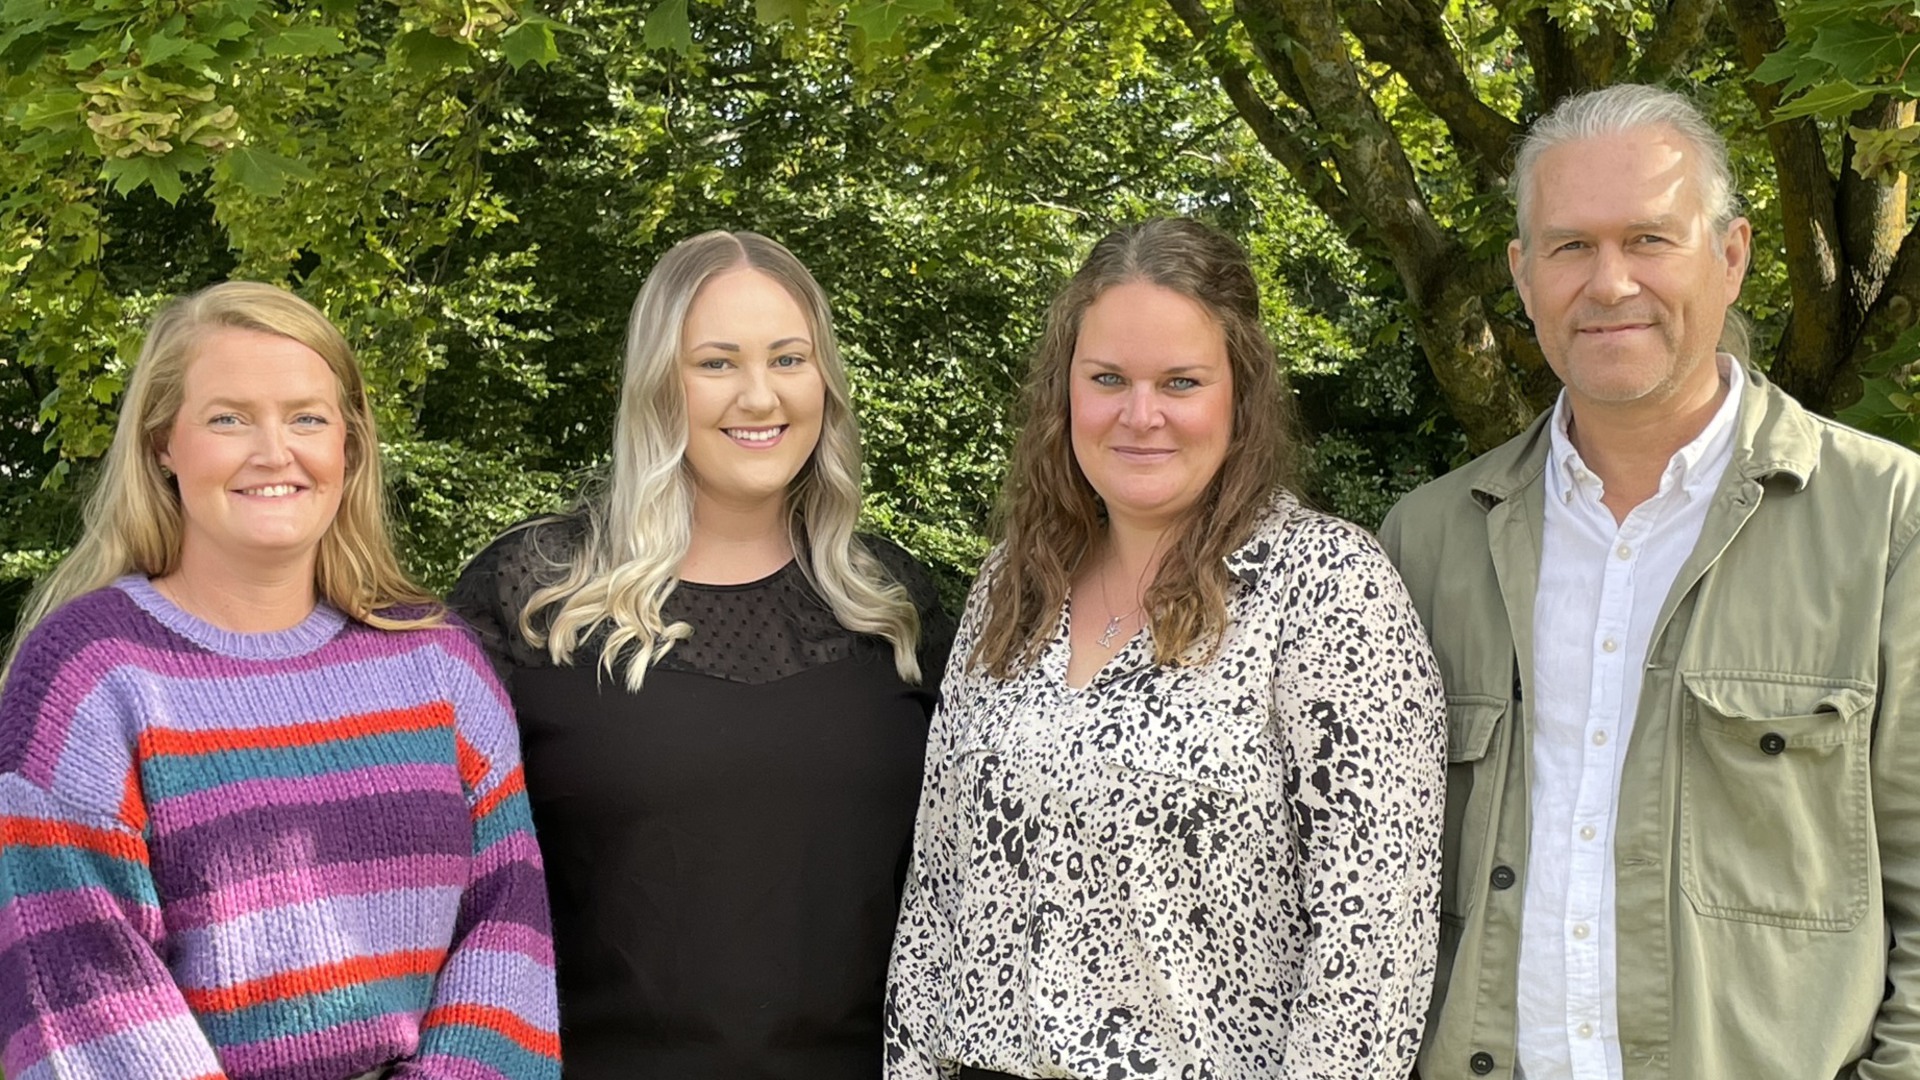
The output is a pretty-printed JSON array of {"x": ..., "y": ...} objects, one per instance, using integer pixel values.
[{"x": 1397, "y": 118}]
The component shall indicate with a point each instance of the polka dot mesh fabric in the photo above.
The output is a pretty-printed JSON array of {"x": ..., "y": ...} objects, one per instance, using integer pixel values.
[{"x": 756, "y": 632}]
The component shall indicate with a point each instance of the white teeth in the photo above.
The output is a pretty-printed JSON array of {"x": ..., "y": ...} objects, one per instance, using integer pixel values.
[
  {"x": 271, "y": 491},
  {"x": 754, "y": 434}
]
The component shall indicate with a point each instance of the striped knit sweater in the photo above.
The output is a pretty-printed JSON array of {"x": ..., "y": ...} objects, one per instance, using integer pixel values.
[{"x": 303, "y": 855}]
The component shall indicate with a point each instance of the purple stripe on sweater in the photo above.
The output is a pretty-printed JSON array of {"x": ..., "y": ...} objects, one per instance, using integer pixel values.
[
  {"x": 98, "y": 1018},
  {"x": 81, "y": 961},
  {"x": 340, "y": 1051},
  {"x": 310, "y": 883},
  {"x": 201, "y": 807},
  {"x": 42, "y": 913},
  {"x": 322, "y": 932},
  {"x": 532, "y": 943},
  {"x": 512, "y": 894},
  {"x": 172, "y": 1049},
  {"x": 442, "y": 1067},
  {"x": 208, "y": 858},
  {"x": 505, "y": 980}
]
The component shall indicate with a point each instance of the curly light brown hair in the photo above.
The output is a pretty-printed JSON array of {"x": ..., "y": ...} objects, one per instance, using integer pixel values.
[{"x": 1052, "y": 520}]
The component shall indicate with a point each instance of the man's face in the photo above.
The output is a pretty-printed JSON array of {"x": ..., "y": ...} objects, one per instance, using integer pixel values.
[{"x": 1626, "y": 283}]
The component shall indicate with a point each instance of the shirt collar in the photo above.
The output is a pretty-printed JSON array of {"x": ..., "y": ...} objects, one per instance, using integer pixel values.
[{"x": 1700, "y": 461}]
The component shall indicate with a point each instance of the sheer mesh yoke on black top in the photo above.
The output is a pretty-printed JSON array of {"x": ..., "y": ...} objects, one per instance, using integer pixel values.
[
  {"x": 756, "y": 632},
  {"x": 725, "y": 848}
]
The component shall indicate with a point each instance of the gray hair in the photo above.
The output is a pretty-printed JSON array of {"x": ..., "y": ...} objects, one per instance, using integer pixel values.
[{"x": 1625, "y": 107}]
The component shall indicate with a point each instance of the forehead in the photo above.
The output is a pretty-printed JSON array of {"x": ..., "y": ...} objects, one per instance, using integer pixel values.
[
  {"x": 742, "y": 297},
  {"x": 1139, "y": 322},
  {"x": 1615, "y": 179},
  {"x": 231, "y": 361}
]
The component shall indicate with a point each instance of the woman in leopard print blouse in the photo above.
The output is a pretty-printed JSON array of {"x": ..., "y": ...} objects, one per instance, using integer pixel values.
[{"x": 1182, "y": 808}]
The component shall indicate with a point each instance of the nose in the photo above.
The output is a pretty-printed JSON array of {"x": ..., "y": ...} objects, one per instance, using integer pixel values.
[
  {"x": 1612, "y": 279},
  {"x": 756, "y": 392},
  {"x": 1143, "y": 406},
  {"x": 270, "y": 446}
]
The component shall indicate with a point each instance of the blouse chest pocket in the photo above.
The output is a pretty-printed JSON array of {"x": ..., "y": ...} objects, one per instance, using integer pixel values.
[
  {"x": 1467, "y": 852},
  {"x": 1776, "y": 800},
  {"x": 1167, "y": 770}
]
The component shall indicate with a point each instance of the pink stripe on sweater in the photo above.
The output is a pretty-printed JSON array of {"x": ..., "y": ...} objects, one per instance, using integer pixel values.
[
  {"x": 40, "y": 913},
  {"x": 97, "y": 1018},
  {"x": 319, "y": 882},
  {"x": 509, "y": 937}
]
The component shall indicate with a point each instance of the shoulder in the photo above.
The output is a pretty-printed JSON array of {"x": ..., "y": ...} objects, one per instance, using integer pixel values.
[
  {"x": 1292, "y": 543},
  {"x": 99, "y": 618},
  {"x": 546, "y": 540}
]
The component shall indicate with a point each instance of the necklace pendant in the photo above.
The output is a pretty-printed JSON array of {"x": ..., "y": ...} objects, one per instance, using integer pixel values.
[{"x": 1112, "y": 631}]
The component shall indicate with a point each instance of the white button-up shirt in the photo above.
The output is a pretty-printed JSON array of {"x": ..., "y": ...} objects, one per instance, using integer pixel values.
[{"x": 1601, "y": 588}]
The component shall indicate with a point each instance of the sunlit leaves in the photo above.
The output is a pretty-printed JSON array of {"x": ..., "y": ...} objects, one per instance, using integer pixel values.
[{"x": 668, "y": 27}]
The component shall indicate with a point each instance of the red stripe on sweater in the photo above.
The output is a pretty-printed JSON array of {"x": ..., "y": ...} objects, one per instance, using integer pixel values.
[
  {"x": 497, "y": 1020},
  {"x": 42, "y": 832},
  {"x": 167, "y": 742},
  {"x": 314, "y": 980}
]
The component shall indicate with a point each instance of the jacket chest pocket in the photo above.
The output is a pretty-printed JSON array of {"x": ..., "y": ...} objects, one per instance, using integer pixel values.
[
  {"x": 1467, "y": 848},
  {"x": 1775, "y": 800}
]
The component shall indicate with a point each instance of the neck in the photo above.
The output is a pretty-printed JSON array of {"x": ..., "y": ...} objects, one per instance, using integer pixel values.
[
  {"x": 243, "y": 599},
  {"x": 733, "y": 544},
  {"x": 1133, "y": 555},
  {"x": 1629, "y": 446}
]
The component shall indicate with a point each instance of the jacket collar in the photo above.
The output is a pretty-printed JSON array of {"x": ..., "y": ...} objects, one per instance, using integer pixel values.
[{"x": 1773, "y": 436}]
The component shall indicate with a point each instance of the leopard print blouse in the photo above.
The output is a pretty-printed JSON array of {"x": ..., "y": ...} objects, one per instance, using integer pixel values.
[{"x": 1220, "y": 869}]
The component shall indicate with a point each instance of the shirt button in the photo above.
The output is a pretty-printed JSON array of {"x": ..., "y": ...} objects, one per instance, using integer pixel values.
[
  {"x": 1567, "y": 497},
  {"x": 1599, "y": 738},
  {"x": 1481, "y": 1063},
  {"x": 1623, "y": 551},
  {"x": 1772, "y": 743},
  {"x": 1609, "y": 645},
  {"x": 1503, "y": 877},
  {"x": 1585, "y": 1031},
  {"x": 1581, "y": 930},
  {"x": 1586, "y": 832}
]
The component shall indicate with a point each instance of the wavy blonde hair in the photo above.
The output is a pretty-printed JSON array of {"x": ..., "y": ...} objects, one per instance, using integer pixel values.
[
  {"x": 640, "y": 523},
  {"x": 1052, "y": 520},
  {"x": 132, "y": 521}
]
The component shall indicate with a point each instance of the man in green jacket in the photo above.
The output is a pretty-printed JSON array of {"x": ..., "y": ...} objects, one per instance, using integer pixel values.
[{"x": 1678, "y": 620}]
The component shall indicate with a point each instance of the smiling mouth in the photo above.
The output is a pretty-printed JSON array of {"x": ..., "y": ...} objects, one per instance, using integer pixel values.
[
  {"x": 762, "y": 436},
  {"x": 272, "y": 491}
]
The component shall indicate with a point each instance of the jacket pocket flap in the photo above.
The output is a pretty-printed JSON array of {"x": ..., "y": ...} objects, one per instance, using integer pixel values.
[
  {"x": 1471, "y": 720},
  {"x": 1759, "y": 698}
]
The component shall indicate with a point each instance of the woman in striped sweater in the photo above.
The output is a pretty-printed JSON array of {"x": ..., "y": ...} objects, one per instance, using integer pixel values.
[{"x": 261, "y": 811}]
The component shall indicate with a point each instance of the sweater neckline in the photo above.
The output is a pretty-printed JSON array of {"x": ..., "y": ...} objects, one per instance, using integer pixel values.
[{"x": 320, "y": 626}]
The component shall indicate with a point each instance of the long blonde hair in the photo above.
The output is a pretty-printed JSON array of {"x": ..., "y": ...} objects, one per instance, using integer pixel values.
[
  {"x": 640, "y": 523},
  {"x": 1051, "y": 517},
  {"x": 132, "y": 521}
]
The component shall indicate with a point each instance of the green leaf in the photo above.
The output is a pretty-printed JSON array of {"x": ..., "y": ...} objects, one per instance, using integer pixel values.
[
  {"x": 306, "y": 41},
  {"x": 530, "y": 43},
  {"x": 882, "y": 20},
  {"x": 1859, "y": 50},
  {"x": 159, "y": 48},
  {"x": 775, "y": 12},
  {"x": 427, "y": 52},
  {"x": 1833, "y": 99},
  {"x": 52, "y": 109},
  {"x": 127, "y": 174},
  {"x": 668, "y": 28},
  {"x": 261, "y": 173}
]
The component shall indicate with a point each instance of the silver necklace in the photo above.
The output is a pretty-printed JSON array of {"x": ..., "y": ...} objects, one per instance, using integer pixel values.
[{"x": 1105, "y": 640}]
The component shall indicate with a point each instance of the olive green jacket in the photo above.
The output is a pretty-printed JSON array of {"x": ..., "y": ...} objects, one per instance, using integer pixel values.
[{"x": 1767, "y": 846}]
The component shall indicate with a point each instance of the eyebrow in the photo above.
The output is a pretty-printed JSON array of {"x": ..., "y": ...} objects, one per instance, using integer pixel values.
[
  {"x": 303, "y": 403},
  {"x": 1663, "y": 223},
  {"x": 1180, "y": 369},
  {"x": 729, "y": 346}
]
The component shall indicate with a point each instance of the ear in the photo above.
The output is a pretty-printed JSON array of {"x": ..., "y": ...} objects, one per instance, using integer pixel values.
[
  {"x": 1516, "y": 264},
  {"x": 1737, "y": 246}
]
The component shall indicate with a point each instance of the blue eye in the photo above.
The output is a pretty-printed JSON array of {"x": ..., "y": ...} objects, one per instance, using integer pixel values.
[
  {"x": 716, "y": 363},
  {"x": 1108, "y": 378},
  {"x": 789, "y": 360},
  {"x": 311, "y": 420},
  {"x": 1181, "y": 382},
  {"x": 223, "y": 420}
]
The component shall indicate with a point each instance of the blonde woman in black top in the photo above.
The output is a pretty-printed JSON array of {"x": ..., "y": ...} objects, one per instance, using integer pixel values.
[{"x": 723, "y": 694}]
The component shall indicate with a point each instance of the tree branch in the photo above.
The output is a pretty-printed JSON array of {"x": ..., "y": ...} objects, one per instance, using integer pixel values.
[
  {"x": 1278, "y": 138},
  {"x": 1872, "y": 212},
  {"x": 1816, "y": 337},
  {"x": 1675, "y": 37},
  {"x": 1411, "y": 39}
]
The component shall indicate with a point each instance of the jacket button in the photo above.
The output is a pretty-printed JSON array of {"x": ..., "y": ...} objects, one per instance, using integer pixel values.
[
  {"x": 1481, "y": 1063},
  {"x": 1773, "y": 742},
  {"x": 1503, "y": 877}
]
